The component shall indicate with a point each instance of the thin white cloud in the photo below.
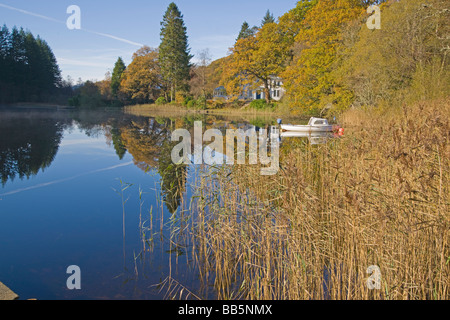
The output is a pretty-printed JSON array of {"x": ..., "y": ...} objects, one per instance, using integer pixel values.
[
  {"x": 42, "y": 185},
  {"x": 81, "y": 63},
  {"x": 31, "y": 13},
  {"x": 114, "y": 37},
  {"x": 63, "y": 22}
]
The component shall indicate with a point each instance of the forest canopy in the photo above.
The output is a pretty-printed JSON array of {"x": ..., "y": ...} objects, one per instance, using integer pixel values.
[
  {"x": 28, "y": 67},
  {"x": 321, "y": 51}
]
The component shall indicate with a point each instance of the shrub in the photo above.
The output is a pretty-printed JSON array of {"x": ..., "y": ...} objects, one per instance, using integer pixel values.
[
  {"x": 260, "y": 104},
  {"x": 218, "y": 105},
  {"x": 161, "y": 101},
  {"x": 201, "y": 103},
  {"x": 187, "y": 100},
  {"x": 180, "y": 98},
  {"x": 74, "y": 101},
  {"x": 191, "y": 104}
]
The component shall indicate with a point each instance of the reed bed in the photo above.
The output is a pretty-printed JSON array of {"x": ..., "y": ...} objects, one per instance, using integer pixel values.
[{"x": 377, "y": 197}]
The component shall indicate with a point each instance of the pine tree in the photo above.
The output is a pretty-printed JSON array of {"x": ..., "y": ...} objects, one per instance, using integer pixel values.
[
  {"x": 29, "y": 70},
  {"x": 4, "y": 62},
  {"x": 174, "y": 52},
  {"x": 49, "y": 69},
  {"x": 4, "y": 42},
  {"x": 246, "y": 31},
  {"x": 116, "y": 77},
  {"x": 268, "y": 18}
]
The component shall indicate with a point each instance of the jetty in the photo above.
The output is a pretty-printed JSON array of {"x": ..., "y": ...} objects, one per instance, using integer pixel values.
[{"x": 6, "y": 293}]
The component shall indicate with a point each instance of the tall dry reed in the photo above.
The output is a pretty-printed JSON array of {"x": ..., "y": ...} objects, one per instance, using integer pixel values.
[{"x": 377, "y": 197}]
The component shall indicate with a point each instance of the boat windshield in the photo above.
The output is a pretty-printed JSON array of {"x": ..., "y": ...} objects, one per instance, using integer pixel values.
[{"x": 320, "y": 122}]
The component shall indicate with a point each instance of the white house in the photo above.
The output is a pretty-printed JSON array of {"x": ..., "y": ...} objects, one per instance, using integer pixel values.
[
  {"x": 220, "y": 93},
  {"x": 276, "y": 91}
]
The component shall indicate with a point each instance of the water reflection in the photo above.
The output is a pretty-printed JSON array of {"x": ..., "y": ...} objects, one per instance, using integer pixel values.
[
  {"x": 28, "y": 144},
  {"x": 30, "y": 140},
  {"x": 314, "y": 138},
  {"x": 72, "y": 213},
  {"x": 173, "y": 178}
]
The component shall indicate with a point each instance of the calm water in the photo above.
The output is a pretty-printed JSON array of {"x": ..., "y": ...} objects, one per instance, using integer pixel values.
[{"x": 61, "y": 203}]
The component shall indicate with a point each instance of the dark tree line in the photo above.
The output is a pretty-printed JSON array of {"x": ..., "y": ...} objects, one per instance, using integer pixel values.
[{"x": 28, "y": 68}]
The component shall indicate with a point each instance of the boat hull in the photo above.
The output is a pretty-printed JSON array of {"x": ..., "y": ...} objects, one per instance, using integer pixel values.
[{"x": 307, "y": 128}]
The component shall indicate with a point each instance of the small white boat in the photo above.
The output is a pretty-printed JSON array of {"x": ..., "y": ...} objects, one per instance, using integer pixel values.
[
  {"x": 314, "y": 125},
  {"x": 314, "y": 137}
]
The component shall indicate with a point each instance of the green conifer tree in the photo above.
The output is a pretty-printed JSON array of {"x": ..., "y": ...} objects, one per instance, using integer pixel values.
[
  {"x": 246, "y": 31},
  {"x": 116, "y": 77},
  {"x": 268, "y": 18},
  {"x": 174, "y": 52}
]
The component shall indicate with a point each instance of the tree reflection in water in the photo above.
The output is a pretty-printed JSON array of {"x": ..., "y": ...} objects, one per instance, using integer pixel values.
[
  {"x": 28, "y": 144},
  {"x": 148, "y": 140}
]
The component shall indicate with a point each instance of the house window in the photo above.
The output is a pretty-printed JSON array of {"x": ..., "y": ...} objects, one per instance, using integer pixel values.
[{"x": 276, "y": 93}]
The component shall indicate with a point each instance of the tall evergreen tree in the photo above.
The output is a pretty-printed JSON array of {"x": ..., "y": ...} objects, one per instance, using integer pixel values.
[
  {"x": 4, "y": 62},
  {"x": 29, "y": 70},
  {"x": 268, "y": 18},
  {"x": 116, "y": 77},
  {"x": 174, "y": 52},
  {"x": 246, "y": 31},
  {"x": 49, "y": 69},
  {"x": 4, "y": 42}
]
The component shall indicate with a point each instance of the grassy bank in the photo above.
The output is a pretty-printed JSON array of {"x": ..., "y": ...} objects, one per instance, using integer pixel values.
[
  {"x": 377, "y": 197},
  {"x": 246, "y": 111}
]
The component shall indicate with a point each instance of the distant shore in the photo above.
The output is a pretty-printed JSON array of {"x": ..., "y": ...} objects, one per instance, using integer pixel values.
[{"x": 35, "y": 105}]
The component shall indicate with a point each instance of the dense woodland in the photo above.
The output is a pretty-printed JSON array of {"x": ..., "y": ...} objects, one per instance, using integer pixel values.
[
  {"x": 28, "y": 69},
  {"x": 322, "y": 49}
]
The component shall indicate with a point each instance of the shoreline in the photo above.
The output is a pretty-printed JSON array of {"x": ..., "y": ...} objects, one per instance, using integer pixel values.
[
  {"x": 40, "y": 105},
  {"x": 149, "y": 110},
  {"x": 170, "y": 110}
]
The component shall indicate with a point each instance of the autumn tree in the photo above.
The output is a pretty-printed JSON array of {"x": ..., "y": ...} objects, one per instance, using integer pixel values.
[
  {"x": 207, "y": 77},
  {"x": 307, "y": 79},
  {"x": 291, "y": 23},
  {"x": 199, "y": 78},
  {"x": 141, "y": 81},
  {"x": 174, "y": 52},
  {"x": 409, "y": 50},
  {"x": 256, "y": 59},
  {"x": 105, "y": 87}
]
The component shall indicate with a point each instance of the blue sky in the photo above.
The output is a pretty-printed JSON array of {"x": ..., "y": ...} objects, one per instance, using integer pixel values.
[{"x": 117, "y": 28}]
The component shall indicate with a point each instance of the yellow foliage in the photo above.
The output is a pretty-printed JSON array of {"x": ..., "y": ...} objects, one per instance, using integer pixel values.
[
  {"x": 256, "y": 59},
  {"x": 141, "y": 81},
  {"x": 308, "y": 79}
]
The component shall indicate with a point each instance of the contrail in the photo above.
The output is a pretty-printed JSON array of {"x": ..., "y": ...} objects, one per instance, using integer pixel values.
[
  {"x": 63, "y": 22},
  {"x": 114, "y": 37},
  {"x": 30, "y": 13},
  {"x": 42, "y": 185}
]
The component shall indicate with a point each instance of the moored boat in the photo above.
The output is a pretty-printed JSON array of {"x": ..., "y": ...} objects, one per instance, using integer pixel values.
[{"x": 314, "y": 125}]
